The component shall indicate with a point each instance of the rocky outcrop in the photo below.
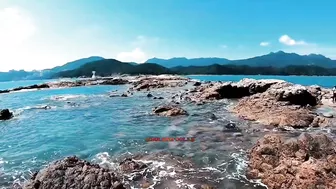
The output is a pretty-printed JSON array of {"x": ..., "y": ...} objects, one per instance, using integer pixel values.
[
  {"x": 169, "y": 111},
  {"x": 72, "y": 172},
  {"x": 306, "y": 162},
  {"x": 154, "y": 82},
  {"x": 128, "y": 165},
  {"x": 114, "y": 82},
  {"x": 31, "y": 87},
  {"x": 5, "y": 114},
  {"x": 231, "y": 90},
  {"x": 283, "y": 104},
  {"x": 69, "y": 84}
]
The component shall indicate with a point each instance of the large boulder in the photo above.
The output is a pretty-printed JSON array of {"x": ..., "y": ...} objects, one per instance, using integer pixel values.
[
  {"x": 169, "y": 111},
  {"x": 308, "y": 161},
  {"x": 283, "y": 104},
  {"x": 5, "y": 114},
  {"x": 74, "y": 173}
]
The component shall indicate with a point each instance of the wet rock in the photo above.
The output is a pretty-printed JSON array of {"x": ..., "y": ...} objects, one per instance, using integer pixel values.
[
  {"x": 72, "y": 172},
  {"x": 230, "y": 126},
  {"x": 5, "y": 114},
  {"x": 41, "y": 86},
  {"x": 308, "y": 161},
  {"x": 169, "y": 111},
  {"x": 328, "y": 114},
  {"x": 128, "y": 165},
  {"x": 197, "y": 83},
  {"x": 114, "y": 82},
  {"x": 155, "y": 97},
  {"x": 160, "y": 98},
  {"x": 124, "y": 95},
  {"x": 149, "y": 95}
]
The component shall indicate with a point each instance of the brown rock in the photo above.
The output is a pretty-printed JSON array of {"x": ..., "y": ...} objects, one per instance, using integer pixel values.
[
  {"x": 72, "y": 172},
  {"x": 306, "y": 162},
  {"x": 169, "y": 111},
  {"x": 128, "y": 165}
]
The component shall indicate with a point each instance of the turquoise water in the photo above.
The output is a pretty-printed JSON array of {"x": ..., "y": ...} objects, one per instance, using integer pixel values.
[
  {"x": 323, "y": 81},
  {"x": 86, "y": 122}
]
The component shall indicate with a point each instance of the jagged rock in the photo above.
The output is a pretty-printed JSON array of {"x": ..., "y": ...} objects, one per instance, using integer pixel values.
[
  {"x": 306, "y": 162},
  {"x": 129, "y": 165},
  {"x": 5, "y": 114},
  {"x": 149, "y": 95},
  {"x": 169, "y": 111},
  {"x": 74, "y": 173},
  {"x": 245, "y": 87},
  {"x": 124, "y": 95},
  {"x": 283, "y": 104}
]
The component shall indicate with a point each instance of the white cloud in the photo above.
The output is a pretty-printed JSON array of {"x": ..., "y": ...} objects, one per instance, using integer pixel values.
[
  {"x": 136, "y": 55},
  {"x": 286, "y": 40},
  {"x": 264, "y": 44},
  {"x": 223, "y": 46}
]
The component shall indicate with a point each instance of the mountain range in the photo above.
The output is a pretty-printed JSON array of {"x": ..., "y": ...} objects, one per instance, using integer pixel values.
[{"x": 276, "y": 60}]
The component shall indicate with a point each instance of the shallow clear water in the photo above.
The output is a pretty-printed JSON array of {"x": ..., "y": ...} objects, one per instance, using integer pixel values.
[{"x": 86, "y": 122}]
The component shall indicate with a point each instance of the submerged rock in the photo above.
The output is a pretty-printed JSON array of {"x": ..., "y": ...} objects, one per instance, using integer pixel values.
[
  {"x": 74, "y": 173},
  {"x": 169, "y": 110},
  {"x": 5, "y": 114},
  {"x": 308, "y": 161}
]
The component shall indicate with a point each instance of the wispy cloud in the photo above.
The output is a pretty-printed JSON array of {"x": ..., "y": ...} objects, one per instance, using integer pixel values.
[
  {"x": 136, "y": 55},
  {"x": 223, "y": 46},
  {"x": 143, "y": 41},
  {"x": 265, "y": 44},
  {"x": 286, "y": 40}
]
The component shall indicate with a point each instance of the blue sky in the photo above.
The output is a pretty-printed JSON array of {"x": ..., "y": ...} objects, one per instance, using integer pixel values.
[{"x": 38, "y": 34}]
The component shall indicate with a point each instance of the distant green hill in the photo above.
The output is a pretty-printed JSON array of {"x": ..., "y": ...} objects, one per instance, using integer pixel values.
[{"x": 107, "y": 67}]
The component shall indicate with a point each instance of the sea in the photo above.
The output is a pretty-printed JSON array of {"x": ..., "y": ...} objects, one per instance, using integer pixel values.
[{"x": 85, "y": 121}]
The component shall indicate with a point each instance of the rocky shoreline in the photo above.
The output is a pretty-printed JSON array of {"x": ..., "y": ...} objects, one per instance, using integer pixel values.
[{"x": 308, "y": 161}]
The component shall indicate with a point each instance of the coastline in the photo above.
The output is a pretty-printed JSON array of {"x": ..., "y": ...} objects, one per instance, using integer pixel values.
[{"x": 179, "y": 92}]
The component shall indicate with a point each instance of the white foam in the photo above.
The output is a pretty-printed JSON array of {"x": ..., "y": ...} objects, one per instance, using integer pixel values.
[{"x": 66, "y": 97}]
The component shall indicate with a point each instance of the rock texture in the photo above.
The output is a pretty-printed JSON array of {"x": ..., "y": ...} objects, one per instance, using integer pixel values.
[
  {"x": 5, "y": 114},
  {"x": 153, "y": 82},
  {"x": 306, "y": 162},
  {"x": 74, "y": 173},
  {"x": 128, "y": 165},
  {"x": 169, "y": 111},
  {"x": 231, "y": 90},
  {"x": 283, "y": 104}
]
